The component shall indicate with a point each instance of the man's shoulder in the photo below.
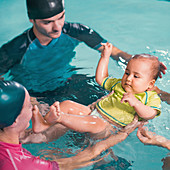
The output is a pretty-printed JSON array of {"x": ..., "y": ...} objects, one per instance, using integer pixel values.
[
  {"x": 75, "y": 28},
  {"x": 71, "y": 28},
  {"x": 13, "y": 51},
  {"x": 83, "y": 33},
  {"x": 19, "y": 41}
]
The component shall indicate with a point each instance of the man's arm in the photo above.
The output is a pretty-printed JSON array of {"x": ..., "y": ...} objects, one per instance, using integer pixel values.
[
  {"x": 165, "y": 96},
  {"x": 92, "y": 39},
  {"x": 117, "y": 53}
]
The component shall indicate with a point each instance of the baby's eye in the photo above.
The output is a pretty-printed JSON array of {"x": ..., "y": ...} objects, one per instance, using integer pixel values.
[
  {"x": 136, "y": 76},
  {"x": 126, "y": 73}
]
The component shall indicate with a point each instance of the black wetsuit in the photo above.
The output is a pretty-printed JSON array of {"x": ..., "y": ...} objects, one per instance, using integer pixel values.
[{"x": 42, "y": 68}]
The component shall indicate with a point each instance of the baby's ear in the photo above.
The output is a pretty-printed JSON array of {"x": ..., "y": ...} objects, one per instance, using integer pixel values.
[{"x": 151, "y": 84}]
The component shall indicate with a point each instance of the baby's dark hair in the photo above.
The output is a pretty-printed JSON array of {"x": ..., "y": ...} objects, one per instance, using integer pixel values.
[{"x": 155, "y": 70}]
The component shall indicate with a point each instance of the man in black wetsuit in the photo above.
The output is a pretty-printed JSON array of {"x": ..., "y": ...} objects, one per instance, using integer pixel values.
[{"x": 39, "y": 58}]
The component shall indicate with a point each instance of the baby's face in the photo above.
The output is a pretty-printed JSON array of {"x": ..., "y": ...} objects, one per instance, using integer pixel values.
[{"x": 137, "y": 76}]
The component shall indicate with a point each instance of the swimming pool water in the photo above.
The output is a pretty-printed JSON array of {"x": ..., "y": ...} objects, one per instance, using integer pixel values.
[{"x": 133, "y": 26}]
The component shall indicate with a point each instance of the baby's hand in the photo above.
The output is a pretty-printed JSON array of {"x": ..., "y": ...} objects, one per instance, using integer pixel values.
[
  {"x": 130, "y": 98},
  {"x": 107, "y": 50}
]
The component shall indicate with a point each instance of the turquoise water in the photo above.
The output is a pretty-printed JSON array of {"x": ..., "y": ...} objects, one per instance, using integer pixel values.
[{"x": 133, "y": 26}]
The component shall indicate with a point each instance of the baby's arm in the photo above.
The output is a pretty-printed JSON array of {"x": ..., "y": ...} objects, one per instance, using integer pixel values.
[
  {"x": 142, "y": 110},
  {"x": 102, "y": 68}
]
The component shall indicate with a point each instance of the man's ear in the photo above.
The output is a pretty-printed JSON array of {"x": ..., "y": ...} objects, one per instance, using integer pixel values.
[
  {"x": 31, "y": 20},
  {"x": 151, "y": 84}
]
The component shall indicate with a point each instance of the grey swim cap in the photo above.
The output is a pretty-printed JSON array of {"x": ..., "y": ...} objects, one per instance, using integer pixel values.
[
  {"x": 42, "y": 9},
  {"x": 12, "y": 96}
]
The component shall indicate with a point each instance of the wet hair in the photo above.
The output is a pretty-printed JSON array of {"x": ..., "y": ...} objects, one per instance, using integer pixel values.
[
  {"x": 155, "y": 68},
  {"x": 42, "y": 9},
  {"x": 12, "y": 96}
]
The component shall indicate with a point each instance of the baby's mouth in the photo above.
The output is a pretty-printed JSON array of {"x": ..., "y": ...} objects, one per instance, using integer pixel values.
[{"x": 126, "y": 84}]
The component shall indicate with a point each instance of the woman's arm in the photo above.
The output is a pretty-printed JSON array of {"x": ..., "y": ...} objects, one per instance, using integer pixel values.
[
  {"x": 150, "y": 138},
  {"x": 85, "y": 157}
]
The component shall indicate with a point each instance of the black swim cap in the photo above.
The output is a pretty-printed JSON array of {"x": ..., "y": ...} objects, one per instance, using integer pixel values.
[
  {"x": 12, "y": 96},
  {"x": 42, "y": 9}
]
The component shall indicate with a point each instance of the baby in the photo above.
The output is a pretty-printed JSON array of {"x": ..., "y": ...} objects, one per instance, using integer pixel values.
[{"x": 130, "y": 95}]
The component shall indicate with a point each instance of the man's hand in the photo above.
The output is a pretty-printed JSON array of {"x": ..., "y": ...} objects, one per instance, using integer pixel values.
[
  {"x": 1, "y": 78},
  {"x": 162, "y": 69},
  {"x": 107, "y": 50},
  {"x": 165, "y": 96}
]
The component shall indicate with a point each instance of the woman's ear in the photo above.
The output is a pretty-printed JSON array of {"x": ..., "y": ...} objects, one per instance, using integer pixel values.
[
  {"x": 14, "y": 124},
  {"x": 16, "y": 121},
  {"x": 151, "y": 84}
]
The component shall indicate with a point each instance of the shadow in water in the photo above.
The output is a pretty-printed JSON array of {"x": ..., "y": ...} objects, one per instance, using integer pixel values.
[{"x": 79, "y": 88}]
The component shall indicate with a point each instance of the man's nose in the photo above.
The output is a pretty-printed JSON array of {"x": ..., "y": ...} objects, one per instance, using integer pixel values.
[{"x": 55, "y": 25}]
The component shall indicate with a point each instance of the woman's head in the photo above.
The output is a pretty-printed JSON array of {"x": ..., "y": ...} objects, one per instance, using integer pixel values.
[{"x": 12, "y": 96}]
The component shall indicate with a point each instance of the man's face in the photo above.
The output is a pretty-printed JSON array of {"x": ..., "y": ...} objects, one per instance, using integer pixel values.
[{"x": 50, "y": 27}]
